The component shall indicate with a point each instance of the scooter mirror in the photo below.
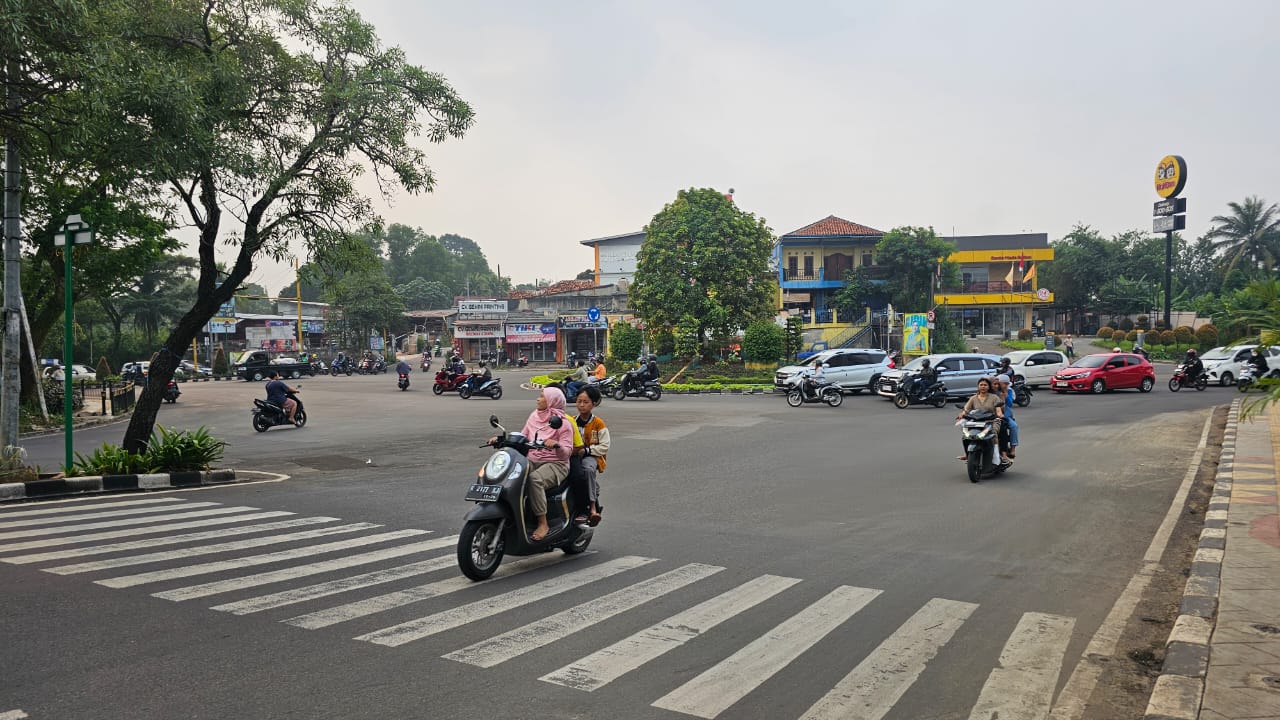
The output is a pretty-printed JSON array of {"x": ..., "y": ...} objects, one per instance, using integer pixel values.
[
  {"x": 555, "y": 422},
  {"x": 493, "y": 421}
]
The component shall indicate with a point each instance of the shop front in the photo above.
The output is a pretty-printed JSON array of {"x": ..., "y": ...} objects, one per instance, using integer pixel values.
[
  {"x": 476, "y": 339},
  {"x": 536, "y": 341},
  {"x": 582, "y": 335}
]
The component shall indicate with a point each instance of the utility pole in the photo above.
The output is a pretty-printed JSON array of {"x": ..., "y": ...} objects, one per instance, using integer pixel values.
[{"x": 11, "y": 393}]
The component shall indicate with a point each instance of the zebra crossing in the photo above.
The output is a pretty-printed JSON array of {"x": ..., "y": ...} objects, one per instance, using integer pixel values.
[{"x": 114, "y": 542}]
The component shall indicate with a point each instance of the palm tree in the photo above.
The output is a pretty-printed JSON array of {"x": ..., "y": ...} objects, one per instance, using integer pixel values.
[{"x": 1251, "y": 232}]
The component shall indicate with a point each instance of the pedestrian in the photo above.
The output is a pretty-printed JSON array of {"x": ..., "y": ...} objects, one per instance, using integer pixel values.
[{"x": 1069, "y": 347}]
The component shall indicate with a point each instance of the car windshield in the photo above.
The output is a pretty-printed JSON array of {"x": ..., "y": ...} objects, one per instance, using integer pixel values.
[
  {"x": 1018, "y": 356},
  {"x": 1218, "y": 353},
  {"x": 1091, "y": 361},
  {"x": 915, "y": 364}
]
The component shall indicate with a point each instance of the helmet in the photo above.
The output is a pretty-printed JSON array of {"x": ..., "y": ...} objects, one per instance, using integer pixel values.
[
  {"x": 925, "y": 363},
  {"x": 1191, "y": 352},
  {"x": 653, "y": 358},
  {"x": 1116, "y": 349}
]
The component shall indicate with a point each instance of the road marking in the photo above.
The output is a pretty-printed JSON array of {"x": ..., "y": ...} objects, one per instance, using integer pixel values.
[
  {"x": 499, "y": 649},
  {"x": 94, "y": 506},
  {"x": 1021, "y": 688},
  {"x": 73, "y": 539},
  {"x": 419, "y": 628},
  {"x": 164, "y": 540},
  {"x": 188, "y": 571},
  {"x": 730, "y": 680},
  {"x": 164, "y": 555},
  {"x": 604, "y": 666},
  {"x": 870, "y": 690},
  {"x": 380, "y": 603},
  {"x": 6, "y": 524},
  {"x": 274, "y": 576},
  {"x": 333, "y": 587},
  {"x": 13, "y": 715},
  {"x": 122, "y": 523}
]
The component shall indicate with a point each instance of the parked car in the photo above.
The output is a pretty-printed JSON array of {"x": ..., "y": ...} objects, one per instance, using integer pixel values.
[
  {"x": 192, "y": 371},
  {"x": 1037, "y": 367},
  {"x": 135, "y": 371},
  {"x": 1101, "y": 372},
  {"x": 78, "y": 372},
  {"x": 960, "y": 371},
  {"x": 852, "y": 369},
  {"x": 1223, "y": 363}
]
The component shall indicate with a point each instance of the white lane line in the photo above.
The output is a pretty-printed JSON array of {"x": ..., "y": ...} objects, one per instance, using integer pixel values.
[
  {"x": 730, "y": 680},
  {"x": 93, "y": 506},
  {"x": 134, "y": 532},
  {"x": 291, "y": 573},
  {"x": 128, "y": 522},
  {"x": 333, "y": 587},
  {"x": 604, "y": 666},
  {"x": 67, "y": 519},
  {"x": 13, "y": 715},
  {"x": 163, "y": 540},
  {"x": 1021, "y": 688},
  {"x": 499, "y": 649},
  {"x": 164, "y": 555},
  {"x": 870, "y": 690},
  {"x": 408, "y": 596},
  {"x": 236, "y": 564},
  {"x": 430, "y": 625}
]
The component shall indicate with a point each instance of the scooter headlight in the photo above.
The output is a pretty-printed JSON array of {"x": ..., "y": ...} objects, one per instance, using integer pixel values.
[{"x": 497, "y": 465}]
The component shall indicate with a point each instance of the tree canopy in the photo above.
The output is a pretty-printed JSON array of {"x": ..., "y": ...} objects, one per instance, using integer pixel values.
[{"x": 909, "y": 259}]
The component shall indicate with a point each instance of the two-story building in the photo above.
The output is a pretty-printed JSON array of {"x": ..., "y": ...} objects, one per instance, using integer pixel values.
[
  {"x": 999, "y": 289},
  {"x": 812, "y": 263}
]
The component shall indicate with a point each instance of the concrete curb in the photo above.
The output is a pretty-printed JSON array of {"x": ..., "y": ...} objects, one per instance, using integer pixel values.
[
  {"x": 1180, "y": 688},
  {"x": 62, "y": 487},
  {"x": 755, "y": 391}
]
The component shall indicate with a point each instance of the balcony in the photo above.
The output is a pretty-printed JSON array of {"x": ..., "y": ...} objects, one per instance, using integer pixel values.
[{"x": 798, "y": 279}]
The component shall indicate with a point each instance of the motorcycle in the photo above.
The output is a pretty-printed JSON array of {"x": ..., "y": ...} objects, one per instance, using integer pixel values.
[
  {"x": 267, "y": 415},
  {"x": 426, "y": 363},
  {"x": 319, "y": 368},
  {"x": 340, "y": 366},
  {"x": 633, "y": 386},
  {"x": 447, "y": 381},
  {"x": 404, "y": 381},
  {"x": 980, "y": 444},
  {"x": 1247, "y": 378},
  {"x": 501, "y": 521},
  {"x": 1179, "y": 379},
  {"x": 171, "y": 392},
  {"x": 379, "y": 365},
  {"x": 907, "y": 395},
  {"x": 1021, "y": 391},
  {"x": 522, "y": 361},
  {"x": 491, "y": 388},
  {"x": 800, "y": 391}
]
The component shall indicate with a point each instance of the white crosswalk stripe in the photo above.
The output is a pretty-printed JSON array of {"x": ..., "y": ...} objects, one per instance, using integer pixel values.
[
  {"x": 13, "y": 715},
  {"x": 605, "y": 666},
  {"x": 24, "y": 512},
  {"x": 1021, "y": 687},
  {"x": 60, "y": 519},
  {"x": 213, "y": 567},
  {"x": 334, "y": 587},
  {"x": 872, "y": 688},
  {"x": 161, "y": 541},
  {"x": 493, "y": 651},
  {"x": 163, "y": 555},
  {"x": 134, "y": 532},
  {"x": 712, "y": 692},
  {"x": 292, "y": 573},
  {"x": 127, "y": 522},
  {"x": 459, "y": 616}
]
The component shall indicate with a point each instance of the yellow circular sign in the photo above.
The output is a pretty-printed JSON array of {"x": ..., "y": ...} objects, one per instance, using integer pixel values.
[{"x": 1171, "y": 176}]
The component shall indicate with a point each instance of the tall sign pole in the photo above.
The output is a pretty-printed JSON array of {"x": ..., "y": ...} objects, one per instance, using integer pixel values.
[
  {"x": 1171, "y": 178},
  {"x": 73, "y": 232}
]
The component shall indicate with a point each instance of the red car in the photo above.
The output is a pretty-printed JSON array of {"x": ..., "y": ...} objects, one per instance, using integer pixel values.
[{"x": 1105, "y": 371}]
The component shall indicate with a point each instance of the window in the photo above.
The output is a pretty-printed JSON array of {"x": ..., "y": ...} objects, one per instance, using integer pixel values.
[
  {"x": 991, "y": 364},
  {"x": 836, "y": 361},
  {"x": 1132, "y": 360},
  {"x": 866, "y": 259},
  {"x": 792, "y": 265},
  {"x": 1118, "y": 362},
  {"x": 949, "y": 365},
  {"x": 975, "y": 364},
  {"x": 808, "y": 266},
  {"x": 1044, "y": 359}
]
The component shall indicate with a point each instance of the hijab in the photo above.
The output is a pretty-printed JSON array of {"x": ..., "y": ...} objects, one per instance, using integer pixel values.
[{"x": 555, "y": 405}]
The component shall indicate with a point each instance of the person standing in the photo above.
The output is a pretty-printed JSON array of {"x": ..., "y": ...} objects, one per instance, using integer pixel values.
[{"x": 1069, "y": 347}]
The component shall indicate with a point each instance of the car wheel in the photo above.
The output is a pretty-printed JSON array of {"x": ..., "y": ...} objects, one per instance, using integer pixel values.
[
  {"x": 1227, "y": 379},
  {"x": 1098, "y": 387},
  {"x": 295, "y": 375},
  {"x": 257, "y": 376},
  {"x": 1147, "y": 384}
]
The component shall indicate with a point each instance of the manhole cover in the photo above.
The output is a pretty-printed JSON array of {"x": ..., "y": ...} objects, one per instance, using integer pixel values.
[{"x": 332, "y": 462}]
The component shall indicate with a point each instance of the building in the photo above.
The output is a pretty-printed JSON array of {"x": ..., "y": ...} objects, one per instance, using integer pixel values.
[
  {"x": 812, "y": 263},
  {"x": 615, "y": 257},
  {"x": 999, "y": 291}
]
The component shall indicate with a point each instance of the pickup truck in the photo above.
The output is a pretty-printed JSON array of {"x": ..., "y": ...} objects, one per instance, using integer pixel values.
[{"x": 255, "y": 364}]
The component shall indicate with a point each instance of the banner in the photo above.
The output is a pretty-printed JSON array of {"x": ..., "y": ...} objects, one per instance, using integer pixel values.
[
  {"x": 473, "y": 330},
  {"x": 482, "y": 307},
  {"x": 531, "y": 333},
  {"x": 915, "y": 334},
  {"x": 582, "y": 322}
]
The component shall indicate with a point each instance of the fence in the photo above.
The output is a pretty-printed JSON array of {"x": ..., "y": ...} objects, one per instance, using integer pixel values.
[{"x": 107, "y": 398}]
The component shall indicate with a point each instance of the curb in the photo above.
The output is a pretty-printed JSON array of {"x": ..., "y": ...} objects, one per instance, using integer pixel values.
[
  {"x": 753, "y": 391},
  {"x": 61, "y": 487},
  {"x": 1179, "y": 689}
]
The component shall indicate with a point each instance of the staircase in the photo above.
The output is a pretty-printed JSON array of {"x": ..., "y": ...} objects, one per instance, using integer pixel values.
[{"x": 852, "y": 337}]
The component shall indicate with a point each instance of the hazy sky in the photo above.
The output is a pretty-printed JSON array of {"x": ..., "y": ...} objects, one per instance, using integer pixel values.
[{"x": 978, "y": 117}]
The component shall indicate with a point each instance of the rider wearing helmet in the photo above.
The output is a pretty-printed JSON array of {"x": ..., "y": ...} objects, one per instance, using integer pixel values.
[
  {"x": 1258, "y": 360},
  {"x": 1192, "y": 366},
  {"x": 925, "y": 378}
]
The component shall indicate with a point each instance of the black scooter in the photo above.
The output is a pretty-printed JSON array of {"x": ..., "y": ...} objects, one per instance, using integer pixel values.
[
  {"x": 267, "y": 415},
  {"x": 907, "y": 395},
  {"x": 404, "y": 381},
  {"x": 492, "y": 388},
  {"x": 171, "y": 392},
  {"x": 1021, "y": 391},
  {"x": 981, "y": 444},
  {"x": 633, "y": 386},
  {"x": 501, "y": 521}
]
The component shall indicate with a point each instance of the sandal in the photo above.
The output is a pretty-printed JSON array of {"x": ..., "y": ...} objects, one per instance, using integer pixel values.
[{"x": 594, "y": 520}]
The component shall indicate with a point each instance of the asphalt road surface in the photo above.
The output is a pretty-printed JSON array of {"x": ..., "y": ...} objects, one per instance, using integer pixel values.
[{"x": 756, "y": 561}]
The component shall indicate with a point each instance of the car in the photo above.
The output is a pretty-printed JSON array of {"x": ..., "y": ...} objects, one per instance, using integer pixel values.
[
  {"x": 192, "y": 371},
  {"x": 1037, "y": 367},
  {"x": 135, "y": 371},
  {"x": 960, "y": 371},
  {"x": 1223, "y": 363},
  {"x": 853, "y": 369},
  {"x": 78, "y": 372},
  {"x": 1102, "y": 372}
]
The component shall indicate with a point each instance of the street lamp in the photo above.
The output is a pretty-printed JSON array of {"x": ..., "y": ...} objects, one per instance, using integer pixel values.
[{"x": 74, "y": 232}]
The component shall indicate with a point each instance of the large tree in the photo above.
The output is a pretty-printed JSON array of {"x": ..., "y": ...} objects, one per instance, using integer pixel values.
[
  {"x": 260, "y": 115},
  {"x": 1250, "y": 234},
  {"x": 706, "y": 262},
  {"x": 909, "y": 260},
  {"x": 1083, "y": 263}
]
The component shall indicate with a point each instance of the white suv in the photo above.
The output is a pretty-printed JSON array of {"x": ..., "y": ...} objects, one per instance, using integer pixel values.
[
  {"x": 1223, "y": 363},
  {"x": 853, "y": 369}
]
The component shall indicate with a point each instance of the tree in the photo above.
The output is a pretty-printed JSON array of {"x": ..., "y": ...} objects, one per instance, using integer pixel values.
[
  {"x": 419, "y": 294},
  {"x": 368, "y": 303},
  {"x": 1250, "y": 233},
  {"x": 909, "y": 259},
  {"x": 704, "y": 263},
  {"x": 625, "y": 342},
  {"x": 266, "y": 110},
  {"x": 588, "y": 274},
  {"x": 793, "y": 337},
  {"x": 856, "y": 294},
  {"x": 1083, "y": 262},
  {"x": 763, "y": 341}
]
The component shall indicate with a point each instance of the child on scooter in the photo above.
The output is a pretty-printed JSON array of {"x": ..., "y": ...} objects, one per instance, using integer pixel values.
[{"x": 593, "y": 436}]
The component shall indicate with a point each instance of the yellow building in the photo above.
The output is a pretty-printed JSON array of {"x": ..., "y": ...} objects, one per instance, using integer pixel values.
[{"x": 999, "y": 289}]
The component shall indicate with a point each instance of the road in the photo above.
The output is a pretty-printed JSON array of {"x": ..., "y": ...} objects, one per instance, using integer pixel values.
[{"x": 756, "y": 561}]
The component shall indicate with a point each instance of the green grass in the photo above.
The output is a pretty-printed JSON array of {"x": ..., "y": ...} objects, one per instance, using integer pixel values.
[{"x": 1026, "y": 344}]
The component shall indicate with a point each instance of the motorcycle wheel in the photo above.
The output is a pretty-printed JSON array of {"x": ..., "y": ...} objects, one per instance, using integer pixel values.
[
  {"x": 653, "y": 394},
  {"x": 1022, "y": 398},
  {"x": 794, "y": 398},
  {"x": 619, "y": 394},
  {"x": 833, "y": 397},
  {"x": 348, "y": 372},
  {"x": 973, "y": 464},
  {"x": 474, "y": 559},
  {"x": 1244, "y": 385},
  {"x": 300, "y": 418},
  {"x": 1201, "y": 383},
  {"x": 901, "y": 401},
  {"x": 438, "y": 389},
  {"x": 464, "y": 392},
  {"x": 1174, "y": 385},
  {"x": 579, "y": 544},
  {"x": 939, "y": 400},
  {"x": 496, "y": 394},
  {"x": 403, "y": 388},
  {"x": 260, "y": 423}
]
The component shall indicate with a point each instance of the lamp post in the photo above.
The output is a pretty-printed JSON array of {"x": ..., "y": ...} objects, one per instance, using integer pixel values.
[{"x": 74, "y": 232}]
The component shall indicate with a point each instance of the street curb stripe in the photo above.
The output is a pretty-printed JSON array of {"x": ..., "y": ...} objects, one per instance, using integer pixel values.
[
  {"x": 128, "y": 522},
  {"x": 59, "y": 487}
]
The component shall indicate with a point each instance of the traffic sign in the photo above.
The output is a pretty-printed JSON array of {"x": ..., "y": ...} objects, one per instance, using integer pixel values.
[
  {"x": 1172, "y": 206},
  {"x": 931, "y": 316},
  {"x": 593, "y": 314},
  {"x": 1170, "y": 223}
]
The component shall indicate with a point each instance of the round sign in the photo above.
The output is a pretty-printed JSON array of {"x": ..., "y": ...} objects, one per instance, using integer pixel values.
[
  {"x": 1043, "y": 293},
  {"x": 593, "y": 314},
  {"x": 1171, "y": 176},
  {"x": 931, "y": 316}
]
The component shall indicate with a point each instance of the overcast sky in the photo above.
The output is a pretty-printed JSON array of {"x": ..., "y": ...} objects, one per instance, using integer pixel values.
[{"x": 973, "y": 117}]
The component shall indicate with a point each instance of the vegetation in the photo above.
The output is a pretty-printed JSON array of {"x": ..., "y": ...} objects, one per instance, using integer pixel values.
[
  {"x": 910, "y": 258},
  {"x": 625, "y": 343},
  {"x": 793, "y": 337},
  {"x": 166, "y": 451},
  {"x": 763, "y": 341}
]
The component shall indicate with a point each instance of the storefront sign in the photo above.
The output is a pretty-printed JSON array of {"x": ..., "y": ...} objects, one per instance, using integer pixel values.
[
  {"x": 531, "y": 333},
  {"x": 221, "y": 325},
  {"x": 482, "y": 307},
  {"x": 582, "y": 322},
  {"x": 313, "y": 326},
  {"x": 1171, "y": 176},
  {"x": 478, "y": 330}
]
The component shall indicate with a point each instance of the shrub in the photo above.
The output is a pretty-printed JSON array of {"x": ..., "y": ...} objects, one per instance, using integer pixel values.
[
  {"x": 1126, "y": 324},
  {"x": 664, "y": 342},
  {"x": 103, "y": 371},
  {"x": 183, "y": 450},
  {"x": 108, "y": 460},
  {"x": 763, "y": 341},
  {"x": 1105, "y": 332},
  {"x": 1167, "y": 338},
  {"x": 219, "y": 362},
  {"x": 1024, "y": 334},
  {"x": 1183, "y": 334},
  {"x": 1207, "y": 335},
  {"x": 1131, "y": 336},
  {"x": 1144, "y": 322},
  {"x": 13, "y": 467},
  {"x": 625, "y": 343}
]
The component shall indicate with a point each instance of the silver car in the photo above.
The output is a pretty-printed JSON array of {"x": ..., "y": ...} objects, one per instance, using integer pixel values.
[
  {"x": 960, "y": 371},
  {"x": 853, "y": 369}
]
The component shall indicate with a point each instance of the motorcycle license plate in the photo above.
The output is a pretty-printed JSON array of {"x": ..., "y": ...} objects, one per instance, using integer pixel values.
[{"x": 484, "y": 493}]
